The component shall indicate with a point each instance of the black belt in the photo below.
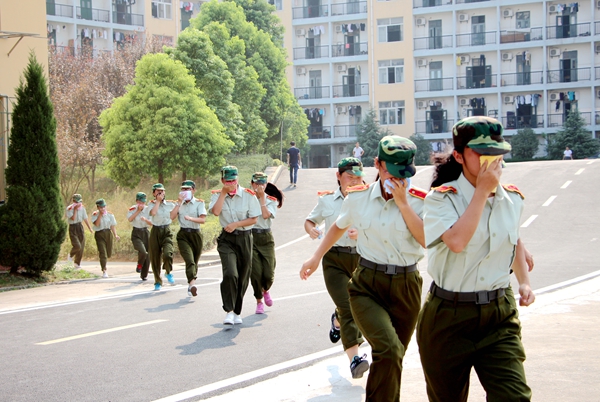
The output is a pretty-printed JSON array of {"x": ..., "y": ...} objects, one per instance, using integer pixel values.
[
  {"x": 239, "y": 232},
  {"x": 347, "y": 249},
  {"x": 161, "y": 226},
  {"x": 481, "y": 297},
  {"x": 77, "y": 223},
  {"x": 134, "y": 228},
  {"x": 103, "y": 230},
  {"x": 190, "y": 230},
  {"x": 267, "y": 230},
  {"x": 387, "y": 268}
]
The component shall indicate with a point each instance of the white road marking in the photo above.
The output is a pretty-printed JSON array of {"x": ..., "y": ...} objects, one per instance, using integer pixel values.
[
  {"x": 549, "y": 201},
  {"x": 567, "y": 183},
  {"x": 528, "y": 221},
  {"x": 104, "y": 331},
  {"x": 579, "y": 171},
  {"x": 590, "y": 162}
]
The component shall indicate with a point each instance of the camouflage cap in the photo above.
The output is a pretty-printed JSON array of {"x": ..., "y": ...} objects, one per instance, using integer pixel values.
[
  {"x": 351, "y": 165},
  {"x": 398, "y": 153},
  {"x": 482, "y": 134},
  {"x": 77, "y": 197},
  {"x": 260, "y": 178},
  {"x": 158, "y": 186},
  {"x": 100, "y": 202},
  {"x": 188, "y": 183},
  {"x": 140, "y": 197},
  {"x": 229, "y": 173}
]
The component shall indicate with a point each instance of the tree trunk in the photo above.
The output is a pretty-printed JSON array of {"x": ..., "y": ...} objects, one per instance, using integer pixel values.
[
  {"x": 183, "y": 176},
  {"x": 160, "y": 172}
]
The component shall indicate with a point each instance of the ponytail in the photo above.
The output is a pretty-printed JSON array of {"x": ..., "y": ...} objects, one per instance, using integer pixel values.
[
  {"x": 446, "y": 169},
  {"x": 274, "y": 191}
]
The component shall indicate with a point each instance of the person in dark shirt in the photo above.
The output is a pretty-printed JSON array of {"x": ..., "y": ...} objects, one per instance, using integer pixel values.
[{"x": 294, "y": 160}]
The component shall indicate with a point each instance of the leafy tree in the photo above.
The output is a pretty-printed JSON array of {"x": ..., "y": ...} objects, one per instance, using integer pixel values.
[
  {"x": 31, "y": 223},
  {"x": 424, "y": 150},
  {"x": 161, "y": 126},
  {"x": 260, "y": 13},
  {"x": 524, "y": 144},
  {"x": 368, "y": 133},
  {"x": 576, "y": 137}
]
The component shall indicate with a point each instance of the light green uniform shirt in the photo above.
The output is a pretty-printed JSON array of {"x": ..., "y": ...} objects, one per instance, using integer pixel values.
[
  {"x": 242, "y": 205},
  {"x": 194, "y": 208},
  {"x": 80, "y": 214},
  {"x": 106, "y": 221},
  {"x": 137, "y": 222},
  {"x": 163, "y": 215},
  {"x": 485, "y": 262},
  {"x": 263, "y": 223},
  {"x": 328, "y": 209},
  {"x": 383, "y": 236}
]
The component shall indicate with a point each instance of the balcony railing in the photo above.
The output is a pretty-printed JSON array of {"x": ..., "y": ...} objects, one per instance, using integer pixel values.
[
  {"x": 349, "y": 49},
  {"x": 433, "y": 42},
  {"x": 345, "y": 131},
  {"x": 93, "y": 14},
  {"x": 570, "y": 75},
  {"x": 597, "y": 73},
  {"x": 520, "y": 36},
  {"x": 310, "y": 12},
  {"x": 312, "y": 93},
  {"x": 476, "y": 39},
  {"x": 128, "y": 19},
  {"x": 559, "y": 119},
  {"x": 430, "y": 3},
  {"x": 62, "y": 50},
  {"x": 519, "y": 122},
  {"x": 311, "y": 52},
  {"x": 468, "y": 1},
  {"x": 568, "y": 31},
  {"x": 317, "y": 133},
  {"x": 597, "y": 27},
  {"x": 350, "y": 91},
  {"x": 532, "y": 77},
  {"x": 480, "y": 81},
  {"x": 434, "y": 84},
  {"x": 349, "y": 8},
  {"x": 434, "y": 126},
  {"x": 59, "y": 10}
]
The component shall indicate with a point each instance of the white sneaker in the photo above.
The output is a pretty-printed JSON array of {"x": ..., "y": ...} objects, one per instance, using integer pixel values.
[
  {"x": 104, "y": 274},
  {"x": 69, "y": 258},
  {"x": 237, "y": 319},
  {"x": 229, "y": 318},
  {"x": 77, "y": 266}
]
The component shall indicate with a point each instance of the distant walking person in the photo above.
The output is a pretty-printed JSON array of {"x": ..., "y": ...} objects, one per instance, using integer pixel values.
[
  {"x": 139, "y": 217},
  {"x": 358, "y": 152},
  {"x": 104, "y": 227},
  {"x": 75, "y": 215},
  {"x": 294, "y": 160},
  {"x": 567, "y": 154},
  {"x": 161, "y": 237}
]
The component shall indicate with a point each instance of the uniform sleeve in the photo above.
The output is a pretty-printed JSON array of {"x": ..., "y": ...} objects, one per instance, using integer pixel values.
[
  {"x": 213, "y": 200},
  {"x": 83, "y": 213},
  {"x": 272, "y": 207},
  {"x": 316, "y": 215},
  {"x": 69, "y": 213},
  {"x": 417, "y": 205},
  {"x": 439, "y": 215},
  {"x": 201, "y": 208},
  {"x": 132, "y": 211},
  {"x": 254, "y": 209},
  {"x": 344, "y": 220},
  {"x": 113, "y": 220}
]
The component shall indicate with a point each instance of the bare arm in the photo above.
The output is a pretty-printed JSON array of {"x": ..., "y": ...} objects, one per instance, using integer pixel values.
[
  {"x": 87, "y": 223},
  {"x": 218, "y": 207},
  {"x": 413, "y": 221},
  {"x": 246, "y": 222},
  {"x": 113, "y": 229},
  {"x": 311, "y": 229},
  {"x": 136, "y": 213},
  {"x": 310, "y": 266},
  {"x": 521, "y": 271},
  {"x": 201, "y": 219}
]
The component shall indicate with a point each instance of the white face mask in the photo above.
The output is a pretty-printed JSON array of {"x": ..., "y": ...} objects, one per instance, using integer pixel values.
[{"x": 187, "y": 195}]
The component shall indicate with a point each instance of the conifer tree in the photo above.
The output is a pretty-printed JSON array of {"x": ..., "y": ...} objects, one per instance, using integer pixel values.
[
  {"x": 575, "y": 136},
  {"x": 32, "y": 228},
  {"x": 368, "y": 133}
]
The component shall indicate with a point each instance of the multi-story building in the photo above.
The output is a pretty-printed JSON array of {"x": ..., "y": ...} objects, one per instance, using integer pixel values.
[{"x": 526, "y": 63}]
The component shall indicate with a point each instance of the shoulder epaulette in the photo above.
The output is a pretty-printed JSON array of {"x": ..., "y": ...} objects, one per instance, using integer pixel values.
[
  {"x": 70, "y": 207},
  {"x": 215, "y": 191},
  {"x": 360, "y": 187},
  {"x": 199, "y": 199},
  {"x": 153, "y": 201},
  {"x": 326, "y": 192},
  {"x": 513, "y": 189},
  {"x": 417, "y": 192},
  {"x": 133, "y": 208},
  {"x": 249, "y": 191},
  {"x": 108, "y": 212},
  {"x": 95, "y": 213},
  {"x": 271, "y": 198},
  {"x": 445, "y": 189}
]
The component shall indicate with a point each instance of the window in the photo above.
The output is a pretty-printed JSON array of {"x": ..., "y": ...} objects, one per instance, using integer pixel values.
[
  {"x": 161, "y": 9},
  {"x": 391, "y": 71},
  {"x": 390, "y": 29},
  {"x": 277, "y": 3},
  {"x": 391, "y": 113},
  {"x": 523, "y": 19}
]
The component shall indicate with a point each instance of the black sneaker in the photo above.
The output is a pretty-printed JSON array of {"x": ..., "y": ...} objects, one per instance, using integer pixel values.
[
  {"x": 359, "y": 366},
  {"x": 334, "y": 333}
]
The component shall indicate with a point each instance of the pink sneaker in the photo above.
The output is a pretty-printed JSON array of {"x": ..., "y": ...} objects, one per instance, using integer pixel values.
[
  {"x": 260, "y": 308},
  {"x": 268, "y": 300}
]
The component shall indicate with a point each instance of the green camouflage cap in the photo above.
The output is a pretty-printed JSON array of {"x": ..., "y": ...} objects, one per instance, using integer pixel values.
[
  {"x": 77, "y": 197},
  {"x": 398, "y": 153},
  {"x": 188, "y": 183},
  {"x": 351, "y": 165},
  {"x": 482, "y": 134},
  {"x": 100, "y": 202},
  {"x": 229, "y": 173},
  {"x": 158, "y": 186},
  {"x": 140, "y": 197},
  {"x": 260, "y": 178}
]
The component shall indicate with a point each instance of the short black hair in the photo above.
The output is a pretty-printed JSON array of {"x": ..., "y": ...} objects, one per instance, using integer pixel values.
[{"x": 293, "y": 143}]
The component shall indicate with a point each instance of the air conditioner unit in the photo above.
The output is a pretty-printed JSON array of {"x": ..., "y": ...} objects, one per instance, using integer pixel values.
[
  {"x": 554, "y": 52},
  {"x": 509, "y": 99},
  {"x": 552, "y": 9},
  {"x": 341, "y": 68},
  {"x": 420, "y": 21},
  {"x": 300, "y": 32},
  {"x": 507, "y": 56},
  {"x": 422, "y": 104},
  {"x": 341, "y": 149},
  {"x": 465, "y": 59},
  {"x": 301, "y": 71},
  {"x": 598, "y": 94},
  {"x": 597, "y": 48},
  {"x": 507, "y": 13},
  {"x": 463, "y": 102},
  {"x": 340, "y": 110},
  {"x": 598, "y": 4},
  {"x": 421, "y": 62},
  {"x": 554, "y": 96},
  {"x": 338, "y": 28},
  {"x": 463, "y": 17}
]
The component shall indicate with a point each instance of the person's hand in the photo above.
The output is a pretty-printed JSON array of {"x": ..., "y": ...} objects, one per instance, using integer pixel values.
[
  {"x": 488, "y": 177},
  {"x": 527, "y": 296},
  {"x": 353, "y": 233},
  {"x": 308, "y": 268},
  {"x": 187, "y": 218},
  {"x": 117, "y": 237},
  {"x": 399, "y": 188},
  {"x": 181, "y": 197},
  {"x": 314, "y": 233},
  {"x": 260, "y": 190},
  {"x": 529, "y": 260},
  {"x": 140, "y": 207},
  {"x": 231, "y": 227},
  {"x": 160, "y": 196},
  {"x": 229, "y": 188}
]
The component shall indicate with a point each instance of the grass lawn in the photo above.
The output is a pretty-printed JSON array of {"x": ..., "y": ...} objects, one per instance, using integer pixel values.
[{"x": 66, "y": 273}]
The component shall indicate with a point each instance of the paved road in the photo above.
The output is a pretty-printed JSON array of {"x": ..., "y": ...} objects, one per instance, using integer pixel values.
[{"x": 139, "y": 345}]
